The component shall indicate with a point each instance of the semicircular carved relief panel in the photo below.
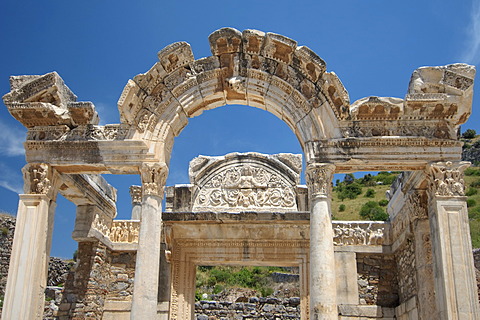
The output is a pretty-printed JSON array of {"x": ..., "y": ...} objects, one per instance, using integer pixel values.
[{"x": 243, "y": 185}]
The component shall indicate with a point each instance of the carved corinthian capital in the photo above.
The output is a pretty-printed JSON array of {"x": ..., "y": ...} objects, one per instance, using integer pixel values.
[
  {"x": 319, "y": 179},
  {"x": 136, "y": 194},
  {"x": 37, "y": 178},
  {"x": 154, "y": 176},
  {"x": 446, "y": 178}
]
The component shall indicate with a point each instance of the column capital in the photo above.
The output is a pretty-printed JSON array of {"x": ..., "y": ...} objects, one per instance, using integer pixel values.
[
  {"x": 136, "y": 194},
  {"x": 38, "y": 178},
  {"x": 445, "y": 179},
  {"x": 154, "y": 176},
  {"x": 319, "y": 179}
]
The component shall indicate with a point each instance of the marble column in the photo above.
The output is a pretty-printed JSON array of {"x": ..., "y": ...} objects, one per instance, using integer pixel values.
[
  {"x": 27, "y": 275},
  {"x": 147, "y": 268},
  {"x": 136, "y": 194},
  {"x": 455, "y": 284},
  {"x": 323, "y": 287}
]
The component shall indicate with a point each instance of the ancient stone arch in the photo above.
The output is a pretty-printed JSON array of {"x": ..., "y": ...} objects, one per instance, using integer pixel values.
[{"x": 66, "y": 150}]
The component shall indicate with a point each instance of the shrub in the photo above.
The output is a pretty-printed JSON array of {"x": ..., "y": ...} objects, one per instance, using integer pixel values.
[
  {"x": 350, "y": 191},
  {"x": 475, "y": 184},
  {"x": 471, "y": 203},
  {"x": 383, "y": 202},
  {"x": 474, "y": 214},
  {"x": 342, "y": 207},
  {"x": 472, "y": 172},
  {"x": 4, "y": 231},
  {"x": 372, "y": 211},
  {"x": 370, "y": 193},
  {"x": 471, "y": 191},
  {"x": 385, "y": 177},
  {"x": 349, "y": 178},
  {"x": 469, "y": 134}
]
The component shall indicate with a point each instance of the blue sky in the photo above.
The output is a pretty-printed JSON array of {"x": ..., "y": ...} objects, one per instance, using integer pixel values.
[{"x": 96, "y": 46}]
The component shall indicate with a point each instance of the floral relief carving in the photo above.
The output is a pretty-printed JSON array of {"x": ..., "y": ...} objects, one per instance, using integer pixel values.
[
  {"x": 136, "y": 194},
  {"x": 154, "y": 176},
  {"x": 37, "y": 178},
  {"x": 246, "y": 186},
  {"x": 417, "y": 205},
  {"x": 446, "y": 178},
  {"x": 319, "y": 179}
]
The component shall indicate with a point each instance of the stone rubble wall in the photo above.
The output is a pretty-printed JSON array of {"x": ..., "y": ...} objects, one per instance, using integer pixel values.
[
  {"x": 7, "y": 229},
  {"x": 377, "y": 281},
  {"x": 255, "y": 308}
]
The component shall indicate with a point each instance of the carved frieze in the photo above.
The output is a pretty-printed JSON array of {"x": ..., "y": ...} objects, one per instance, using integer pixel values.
[
  {"x": 446, "y": 178},
  {"x": 124, "y": 231},
  {"x": 154, "y": 176},
  {"x": 319, "y": 179},
  {"x": 80, "y": 133},
  {"x": 357, "y": 233}
]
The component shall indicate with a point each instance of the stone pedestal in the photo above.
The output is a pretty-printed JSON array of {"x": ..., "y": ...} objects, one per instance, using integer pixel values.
[
  {"x": 323, "y": 287},
  {"x": 147, "y": 268},
  {"x": 455, "y": 287}
]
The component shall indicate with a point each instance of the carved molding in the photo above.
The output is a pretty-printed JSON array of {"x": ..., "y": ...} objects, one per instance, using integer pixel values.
[
  {"x": 319, "y": 179},
  {"x": 154, "y": 176},
  {"x": 417, "y": 205},
  {"x": 37, "y": 178},
  {"x": 446, "y": 178},
  {"x": 136, "y": 194}
]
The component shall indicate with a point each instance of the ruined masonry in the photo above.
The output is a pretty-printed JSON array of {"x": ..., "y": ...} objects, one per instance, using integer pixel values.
[{"x": 247, "y": 209}]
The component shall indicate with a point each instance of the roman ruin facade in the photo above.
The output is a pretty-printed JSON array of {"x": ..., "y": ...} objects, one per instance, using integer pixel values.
[{"x": 247, "y": 208}]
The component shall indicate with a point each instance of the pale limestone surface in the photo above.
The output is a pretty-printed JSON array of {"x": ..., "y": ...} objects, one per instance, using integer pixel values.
[{"x": 428, "y": 234}]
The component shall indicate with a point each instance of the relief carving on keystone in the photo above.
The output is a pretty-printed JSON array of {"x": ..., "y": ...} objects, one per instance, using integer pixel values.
[
  {"x": 154, "y": 176},
  {"x": 446, "y": 178},
  {"x": 37, "y": 178},
  {"x": 319, "y": 179}
]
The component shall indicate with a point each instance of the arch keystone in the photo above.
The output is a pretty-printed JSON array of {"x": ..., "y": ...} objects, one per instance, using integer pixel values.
[
  {"x": 279, "y": 48},
  {"x": 309, "y": 63},
  {"x": 253, "y": 41},
  {"x": 175, "y": 55},
  {"x": 225, "y": 40}
]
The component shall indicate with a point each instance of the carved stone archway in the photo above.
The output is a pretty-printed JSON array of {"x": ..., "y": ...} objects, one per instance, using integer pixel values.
[{"x": 264, "y": 70}]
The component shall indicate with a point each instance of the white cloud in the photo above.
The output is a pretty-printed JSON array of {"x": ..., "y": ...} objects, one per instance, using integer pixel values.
[
  {"x": 10, "y": 179},
  {"x": 472, "y": 50},
  {"x": 11, "y": 140}
]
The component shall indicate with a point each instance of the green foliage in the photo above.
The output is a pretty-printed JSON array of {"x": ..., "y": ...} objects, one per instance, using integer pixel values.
[
  {"x": 475, "y": 233},
  {"x": 350, "y": 191},
  {"x": 216, "y": 279},
  {"x": 472, "y": 172},
  {"x": 469, "y": 134},
  {"x": 471, "y": 203},
  {"x": 474, "y": 214},
  {"x": 368, "y": 181},
  {"x": 342, "y": 207},
  {"x": 349, "y": 178},
  {"x": 372, "y": 211},
  {"x": 370, "y": 193},
  {"x": 476, "y": 144},
  {"x": 471, "y": 191},
  {"x": 385, "y": 177},
  {"x": 4, "y": 231},
  {"x": 383, "y": 202}
]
